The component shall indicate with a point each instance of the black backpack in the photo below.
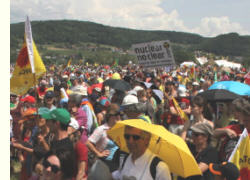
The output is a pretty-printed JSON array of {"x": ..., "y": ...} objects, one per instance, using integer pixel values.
[{"x": 153, "y": 165}]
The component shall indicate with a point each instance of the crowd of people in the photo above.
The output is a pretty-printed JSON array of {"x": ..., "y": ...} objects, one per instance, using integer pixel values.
[{"x": 59, "y": 128}]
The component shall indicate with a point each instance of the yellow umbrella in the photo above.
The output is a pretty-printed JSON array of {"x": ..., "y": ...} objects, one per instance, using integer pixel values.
[{"x": 167, "y": 146}]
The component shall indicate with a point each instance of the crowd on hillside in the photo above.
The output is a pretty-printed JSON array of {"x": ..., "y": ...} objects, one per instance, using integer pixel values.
[{"x": 59, "y": 128}]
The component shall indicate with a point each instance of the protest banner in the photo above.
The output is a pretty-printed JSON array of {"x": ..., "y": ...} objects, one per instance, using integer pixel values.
[{"x": 154, "y": 54}]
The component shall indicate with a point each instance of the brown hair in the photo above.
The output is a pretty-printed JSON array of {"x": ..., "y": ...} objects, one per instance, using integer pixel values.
[{"x": 242, "y": 105}]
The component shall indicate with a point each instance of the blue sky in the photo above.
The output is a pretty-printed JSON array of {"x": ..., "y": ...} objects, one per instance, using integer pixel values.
[{"x": 208, "y": 18}]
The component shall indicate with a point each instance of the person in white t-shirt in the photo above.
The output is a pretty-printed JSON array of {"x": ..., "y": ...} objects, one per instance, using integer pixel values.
[{"x": 137, "y": 164}]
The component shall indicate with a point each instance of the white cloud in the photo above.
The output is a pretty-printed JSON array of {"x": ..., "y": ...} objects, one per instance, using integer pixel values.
[
  {"x": 212, "y": 26},
  {"x": 136, "y": 14}
]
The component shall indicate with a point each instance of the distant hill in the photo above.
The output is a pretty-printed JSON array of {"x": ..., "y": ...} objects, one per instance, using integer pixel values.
[{"x": 67, "y": 33}]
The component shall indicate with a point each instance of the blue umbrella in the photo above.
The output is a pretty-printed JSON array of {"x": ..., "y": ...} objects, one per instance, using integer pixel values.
[{"x": 233, "y": 86}]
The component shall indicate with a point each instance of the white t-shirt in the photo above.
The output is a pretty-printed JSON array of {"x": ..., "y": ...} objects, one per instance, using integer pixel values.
[
  {"x": 99, "y": 137},
  {"x": 140, "y": 169}
]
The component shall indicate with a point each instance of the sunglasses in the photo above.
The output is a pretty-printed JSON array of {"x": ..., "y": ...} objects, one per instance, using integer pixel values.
[
  {"x": 54, "y": 168},
  {"x": 135, "y": 137}
]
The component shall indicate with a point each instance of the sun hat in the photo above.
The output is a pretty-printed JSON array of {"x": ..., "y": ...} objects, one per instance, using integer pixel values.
[
  {"x": 129, "y": 99},
  {"x": 58, "y": 114},
  {"x": 203, "y": 128},
  {"x": 225, "y": 169}
]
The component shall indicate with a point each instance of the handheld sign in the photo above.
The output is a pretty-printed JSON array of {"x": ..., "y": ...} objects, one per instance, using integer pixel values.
[{"x": 154, "y": 54}]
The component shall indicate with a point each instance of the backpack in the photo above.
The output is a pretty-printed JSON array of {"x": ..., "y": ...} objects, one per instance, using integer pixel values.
[{"x": 153, "y": 165}]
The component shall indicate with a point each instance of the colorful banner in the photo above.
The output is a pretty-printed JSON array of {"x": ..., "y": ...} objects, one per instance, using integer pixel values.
[{"x": 241, "y": 155}]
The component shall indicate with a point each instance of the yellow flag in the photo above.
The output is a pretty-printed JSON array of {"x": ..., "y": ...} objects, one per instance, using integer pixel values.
[
  {"x": 179, "y": 110},
  {"x": 241, "y": 155},
  {"x": 69, "y": 62},
  {"x": 192, "y": 73},
  {"x": 23, "y": 79}
]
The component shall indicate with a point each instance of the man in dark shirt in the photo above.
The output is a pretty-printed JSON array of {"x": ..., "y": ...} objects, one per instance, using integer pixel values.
[{"x": 59, "y": 120}]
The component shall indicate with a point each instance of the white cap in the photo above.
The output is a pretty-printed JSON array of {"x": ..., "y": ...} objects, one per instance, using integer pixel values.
[
  {"x": 182, "y": 91},
  {"x": 65, "y": 76},
  {"x": 138, "y": 88},
  {"x": 132, "y": 92},
  {"x": 129, "y": 99},
  {"x": 82, "y": 90},
  {"x": 195, "y": 84}
]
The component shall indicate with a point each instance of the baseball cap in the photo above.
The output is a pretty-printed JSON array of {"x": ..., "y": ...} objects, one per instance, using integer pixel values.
[
  {"x": 129, "y": 99},
  {"x": 49, "y": 94},
  {"x": 58, "y": 114},
  {"x": 138, "y": 88},
  {"x": 203, "y": 128},
  {"x": 225, "y": 169},
  {"x": 42, "y": 111},
  {"x": 29, "y": 99}
]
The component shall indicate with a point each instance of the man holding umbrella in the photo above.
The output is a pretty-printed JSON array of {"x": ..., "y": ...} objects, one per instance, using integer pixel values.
[{"x": 141, "y": 163}]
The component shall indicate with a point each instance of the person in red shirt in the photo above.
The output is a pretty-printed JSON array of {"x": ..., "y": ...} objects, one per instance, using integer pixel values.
[
  {"x": 41, "y": 89},
  {"x": 81, "y": 151}
]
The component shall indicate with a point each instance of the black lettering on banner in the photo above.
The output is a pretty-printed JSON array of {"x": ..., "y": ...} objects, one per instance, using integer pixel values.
[
  {"x": 244, "y": 159},
  {"x": 25, "y": 71}
]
